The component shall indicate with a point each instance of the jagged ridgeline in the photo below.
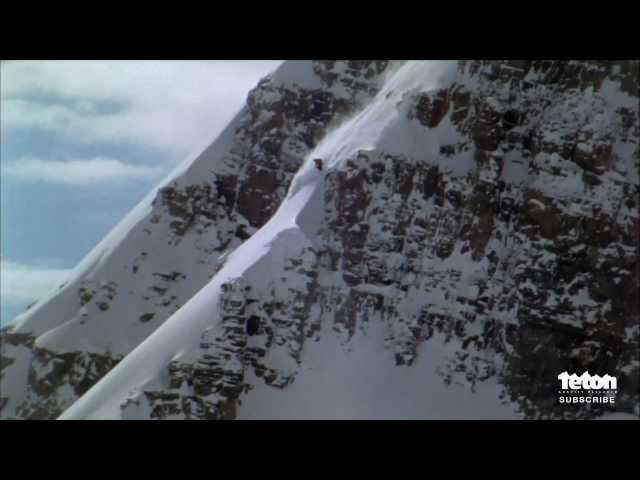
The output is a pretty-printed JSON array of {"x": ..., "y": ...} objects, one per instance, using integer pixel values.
[{"x": 471, "y": 232}]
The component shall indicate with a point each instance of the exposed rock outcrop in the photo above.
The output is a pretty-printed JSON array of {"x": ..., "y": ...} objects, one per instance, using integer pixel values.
[{"x": 510, "y": 231}]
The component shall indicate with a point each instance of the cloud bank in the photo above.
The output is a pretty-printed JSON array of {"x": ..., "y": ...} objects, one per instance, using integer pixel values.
[
  {"x": 80, "y": 173},
  {"x": 23, "y": 284},
  {"x": 178, "y": 106}
]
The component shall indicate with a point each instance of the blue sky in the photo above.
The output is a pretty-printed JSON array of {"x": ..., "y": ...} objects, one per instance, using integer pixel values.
[{"x": 81, "y": 142}]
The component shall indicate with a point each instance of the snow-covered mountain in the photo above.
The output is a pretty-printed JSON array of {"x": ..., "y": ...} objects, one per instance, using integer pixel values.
[{"x": 472, "y": 233}]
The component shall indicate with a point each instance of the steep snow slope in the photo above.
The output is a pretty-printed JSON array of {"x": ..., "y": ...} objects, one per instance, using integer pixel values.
[
  {"x": 172, "y": 243},
  {"x": 473, "y": 233},
  {"x": 180, "y": 335}
]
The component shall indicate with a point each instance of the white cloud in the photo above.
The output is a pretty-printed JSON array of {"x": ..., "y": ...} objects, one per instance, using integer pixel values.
[
  {"x": 80, "y": 173},
  {"x": 23, "y": 284},
  {"x": 179, "y": 106}
]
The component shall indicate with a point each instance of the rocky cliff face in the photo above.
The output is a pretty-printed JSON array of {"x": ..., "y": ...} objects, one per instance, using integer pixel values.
[
  {"x": 175, "y": 247},
  {"x": 495, "y": 211}
]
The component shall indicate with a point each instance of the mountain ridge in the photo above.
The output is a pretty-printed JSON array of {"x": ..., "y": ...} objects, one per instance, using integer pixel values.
[{"x": 451, "y": 217}]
